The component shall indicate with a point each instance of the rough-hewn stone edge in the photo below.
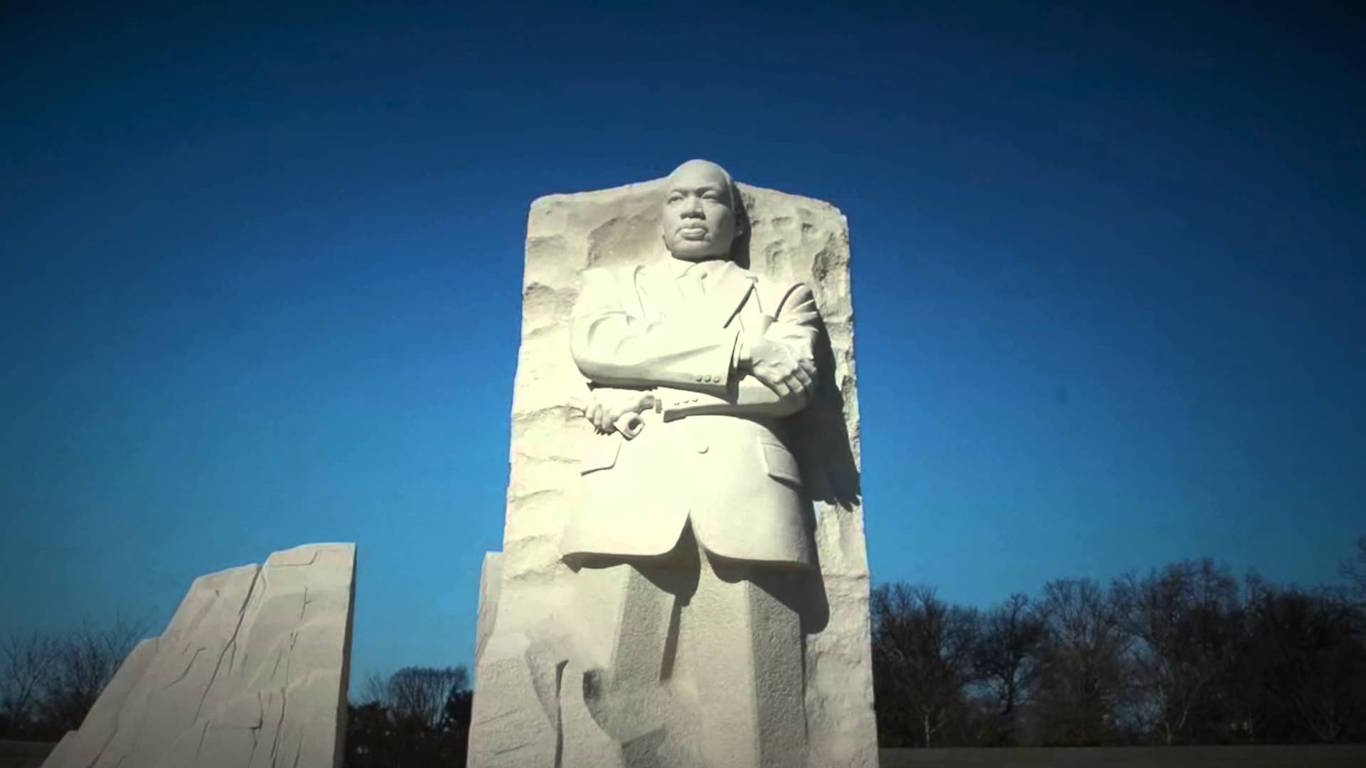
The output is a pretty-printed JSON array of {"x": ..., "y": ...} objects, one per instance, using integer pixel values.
[
  {"x": 490, "y": 587},
  {"x": 570, "y": 197}
]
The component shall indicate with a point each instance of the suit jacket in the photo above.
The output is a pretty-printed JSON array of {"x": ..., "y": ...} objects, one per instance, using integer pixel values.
[{"x": 714, "y": 454}]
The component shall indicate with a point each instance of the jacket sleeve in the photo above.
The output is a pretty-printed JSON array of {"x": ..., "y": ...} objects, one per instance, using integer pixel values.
[
  {"x": 749, "y": 397},
  {"x": 795, "y": 327},
  {"x": 613, "y": 347}
]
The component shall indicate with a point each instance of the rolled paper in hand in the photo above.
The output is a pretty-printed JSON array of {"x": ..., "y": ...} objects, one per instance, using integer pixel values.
[{"x": 628, "y": 424}]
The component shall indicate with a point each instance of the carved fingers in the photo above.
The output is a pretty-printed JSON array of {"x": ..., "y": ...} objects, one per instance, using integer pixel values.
[
  {"x": 782, "y": 371},
  {"x": 618, "y": 410},
  {"x": 806, "y": 374}
]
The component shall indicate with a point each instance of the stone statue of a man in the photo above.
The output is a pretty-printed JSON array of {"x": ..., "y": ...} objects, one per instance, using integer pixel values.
[{"x": 693, "y": 364}]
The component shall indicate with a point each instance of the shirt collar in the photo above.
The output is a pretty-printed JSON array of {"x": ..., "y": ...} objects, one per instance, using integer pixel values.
[{"x": 681, "y": 267}]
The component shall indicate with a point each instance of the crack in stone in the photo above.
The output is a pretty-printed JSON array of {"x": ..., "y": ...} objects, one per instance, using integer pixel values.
[
  {"x": 559, "y": 713},
  {"x": 528, "y": 495},
  {"x": 202, "y": 734},
  {"x": 232, "y": 641},
  {"x": 312, "y": 558},
  {"x": 256, "y": 729},
  {"x": 279, "y": 654},
  {"x": 284, "y": 702},
  {"x": 497, "y": 717},
  {"x": 279, "y": 729},
  {"x": 506, "y": 750},
  {"x": 188, "y": 665}
]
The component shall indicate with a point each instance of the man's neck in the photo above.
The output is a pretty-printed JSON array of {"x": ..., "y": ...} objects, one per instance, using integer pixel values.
[{"x": 683, "y": 264}]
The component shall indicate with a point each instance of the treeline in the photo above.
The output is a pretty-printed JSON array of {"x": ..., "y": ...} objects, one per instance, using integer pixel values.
[
  {"x": 415, "y": 718},
  {"x": 48, "y": 682},
  {"x": 1184, "y": 655}
]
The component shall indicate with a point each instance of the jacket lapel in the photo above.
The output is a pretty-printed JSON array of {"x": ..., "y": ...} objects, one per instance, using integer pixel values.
[
  {"x": 728, "y": 294},
  {"x": 661, "y": 294}
]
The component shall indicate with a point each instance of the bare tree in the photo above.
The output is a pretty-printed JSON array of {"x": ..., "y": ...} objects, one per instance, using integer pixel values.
[
  {"x": 420, "y": 694},
  {"x": 26, "y": 663},
  {"x": 83, "y": 662},
  {"x": 922, "y": 659},
  {"x": 1004, "y": 659},
  {"x": 418, "y": 716},
  {"x": 1185, "y": 621},
  {"x": 1082, "y": 660},
  {"x": 1354, "y": 571},
  {"x": 1307, "y": 653},
  {"x": 375, "y": 690}
]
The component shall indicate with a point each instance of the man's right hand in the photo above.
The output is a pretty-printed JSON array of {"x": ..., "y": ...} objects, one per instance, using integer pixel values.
[
  {"x": 776, "y": 366},
  {"x": 608, "y": 405}
]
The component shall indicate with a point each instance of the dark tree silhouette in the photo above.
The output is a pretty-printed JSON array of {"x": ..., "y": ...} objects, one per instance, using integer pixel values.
[
  {"x": 49, "y": 682},
  {"x": 923, "y": 654},
  {"x": 1305, "y": 656},
  {"x": 1354, "y": 570},
  {"x": 1082, "y": 658},
  {"x": 1185, "y": 620},
  {"x": 1182, "y": 655},
  {"x": 1004, "y": 657},
  {"x": 26, "y": 663},
  {"x": 417, "y": 717},
  {"x": 84, "y": 661}
]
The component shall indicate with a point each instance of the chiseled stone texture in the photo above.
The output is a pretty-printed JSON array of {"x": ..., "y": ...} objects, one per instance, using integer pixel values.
[
  {"x": 251, "y": 671},
  {"x": 528, "y": 656}
]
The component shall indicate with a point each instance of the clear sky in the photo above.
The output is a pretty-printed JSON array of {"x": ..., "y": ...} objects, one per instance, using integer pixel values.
[{"x": 261, "y": 279}]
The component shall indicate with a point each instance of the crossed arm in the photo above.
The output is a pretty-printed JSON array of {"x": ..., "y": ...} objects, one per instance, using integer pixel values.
[{"x": 681, "y": 369}]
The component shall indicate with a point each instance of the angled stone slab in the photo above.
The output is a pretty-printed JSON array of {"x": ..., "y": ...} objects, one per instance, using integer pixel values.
[{"x": 252, "y": 671}]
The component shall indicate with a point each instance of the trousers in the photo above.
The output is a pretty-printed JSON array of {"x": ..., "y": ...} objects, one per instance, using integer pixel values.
[{"x": 702, "y": 660}]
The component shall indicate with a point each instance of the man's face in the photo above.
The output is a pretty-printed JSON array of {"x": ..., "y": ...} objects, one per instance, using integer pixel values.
[{"x": 698, "y": 220}]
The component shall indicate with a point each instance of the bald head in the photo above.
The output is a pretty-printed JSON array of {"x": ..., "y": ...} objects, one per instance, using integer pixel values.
[{"x": 698, "y": 218}]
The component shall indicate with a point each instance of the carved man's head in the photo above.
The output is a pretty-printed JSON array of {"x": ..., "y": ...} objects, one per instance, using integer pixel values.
[{"x": 699, "y": 211}]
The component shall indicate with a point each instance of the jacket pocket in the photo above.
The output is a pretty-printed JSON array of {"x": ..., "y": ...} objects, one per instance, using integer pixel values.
[
  {"x": 780, "y": 464},
  {"x": 600, "y": 453}
]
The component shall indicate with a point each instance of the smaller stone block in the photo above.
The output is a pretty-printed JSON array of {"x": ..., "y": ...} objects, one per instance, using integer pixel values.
[{"x": 252, "y": 671}]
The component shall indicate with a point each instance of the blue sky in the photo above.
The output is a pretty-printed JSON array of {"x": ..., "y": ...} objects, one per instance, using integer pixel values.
[{"x": 261, "y": 275}]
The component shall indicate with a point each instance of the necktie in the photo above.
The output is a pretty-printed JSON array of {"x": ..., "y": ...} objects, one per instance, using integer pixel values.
[{"x": 694, "y": 282}]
